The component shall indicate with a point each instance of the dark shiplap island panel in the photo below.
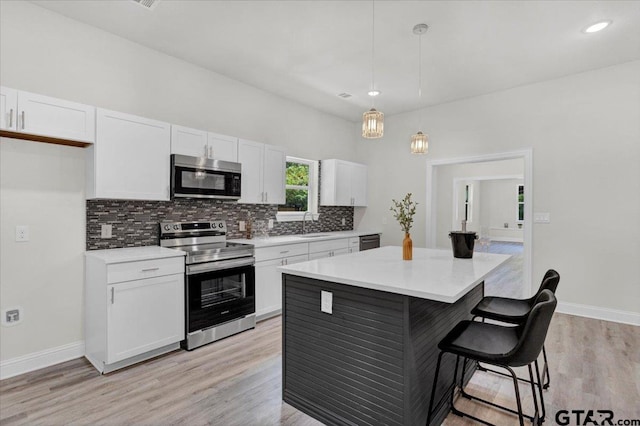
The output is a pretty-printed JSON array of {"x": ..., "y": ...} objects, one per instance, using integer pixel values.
[{"x": 371, "y": 361}]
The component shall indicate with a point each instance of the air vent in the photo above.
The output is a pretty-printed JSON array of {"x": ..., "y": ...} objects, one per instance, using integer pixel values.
[
  {"x": 147, "y": 4},
  {"x": 344, "y": 95}
]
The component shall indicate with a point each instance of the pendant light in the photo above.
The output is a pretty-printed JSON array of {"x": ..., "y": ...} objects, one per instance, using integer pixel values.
[
  {"x": 372, "y": 120},
  {"x": 420, "y": 141}
]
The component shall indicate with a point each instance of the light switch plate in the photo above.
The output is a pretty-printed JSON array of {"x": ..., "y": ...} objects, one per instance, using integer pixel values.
[
  {"x": 326, "y": 302},
  {"x": 270, "y": 225},
  {"x": 242, "y": 226},
  {"x": 542, "y": 218}
]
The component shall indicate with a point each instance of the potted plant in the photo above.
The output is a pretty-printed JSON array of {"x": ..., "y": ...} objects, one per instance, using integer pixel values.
[{"x": 403, "y": 211}]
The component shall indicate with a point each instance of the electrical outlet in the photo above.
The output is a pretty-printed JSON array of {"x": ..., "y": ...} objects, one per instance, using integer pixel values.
[
  {"x": 22, "y": 233},
  {"x": 270, "y": 225},
  {"x": 12, "y": 316},
  {"x": 344, "y": 221},
  {"x": 106, "y": 231},
  {"x": 326, "y": 302},
  {"x": 542, "y": 217},
  {"x": 242, "y": 226}
]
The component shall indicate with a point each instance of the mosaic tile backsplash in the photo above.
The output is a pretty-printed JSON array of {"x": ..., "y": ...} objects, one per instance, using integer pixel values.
[{"x": 135, "y": 223}]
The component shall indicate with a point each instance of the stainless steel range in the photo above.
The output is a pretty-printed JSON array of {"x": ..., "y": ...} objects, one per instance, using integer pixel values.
[{"x": 219, "y": 282}]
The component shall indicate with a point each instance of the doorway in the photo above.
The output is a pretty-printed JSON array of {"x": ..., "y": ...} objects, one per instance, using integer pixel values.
[{"x": 463, "y": 179}]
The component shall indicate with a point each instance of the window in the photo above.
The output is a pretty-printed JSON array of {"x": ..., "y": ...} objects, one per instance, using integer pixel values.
[
  {"x": 520, "y": 203},
  {"x": 301, "y": 190},
  {"x": 468, "y": 202}
]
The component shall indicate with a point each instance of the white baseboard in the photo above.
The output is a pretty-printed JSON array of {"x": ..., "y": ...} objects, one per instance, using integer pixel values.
[
  {"x": 596, "y": 312},
  {"x": 37, "y": 360}
]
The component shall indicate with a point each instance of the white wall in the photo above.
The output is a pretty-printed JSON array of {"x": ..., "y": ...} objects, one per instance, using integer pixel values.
[
  {"x": 584, "y": 131},
  {"x": 46, "y": 53},
  {"x": 499, "y": 205}
]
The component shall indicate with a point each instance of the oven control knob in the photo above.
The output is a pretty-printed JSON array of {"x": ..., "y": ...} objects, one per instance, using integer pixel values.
[
  {"x": 221, "y": 225},
  {"x": 176, "y": 227},
  {"x": 167, "y": 227}
]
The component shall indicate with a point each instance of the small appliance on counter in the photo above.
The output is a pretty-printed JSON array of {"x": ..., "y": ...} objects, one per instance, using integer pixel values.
[
  {"x": 462, "y": 242},
  {"x": 219, "y": 280}
]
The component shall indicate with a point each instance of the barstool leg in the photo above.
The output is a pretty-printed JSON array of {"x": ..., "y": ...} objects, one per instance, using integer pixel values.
[
  {"x": 433, "y": 390},
  {"x": 515, "y": 385},
  {"x": 545, "y": 369},
  {"x": 544, "y": 412},
  {"x": 534, "y": 391}
]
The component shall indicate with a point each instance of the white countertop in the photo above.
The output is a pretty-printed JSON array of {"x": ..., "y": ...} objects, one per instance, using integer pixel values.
[
  {"x": 432, "y": 274},
  {"x": 300, "y": 238},
  {"x": 133, "y": 254}
]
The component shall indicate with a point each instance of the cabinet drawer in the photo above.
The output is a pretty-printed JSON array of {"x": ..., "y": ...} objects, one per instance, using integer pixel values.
[
  {"x": 318, "y": 246},
  {"x": 129, "y": 271},
  {"x": 288, "y": 250}
]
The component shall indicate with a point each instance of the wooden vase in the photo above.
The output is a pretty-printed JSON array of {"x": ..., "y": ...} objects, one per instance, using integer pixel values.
[{"x": 407, "y": 247}]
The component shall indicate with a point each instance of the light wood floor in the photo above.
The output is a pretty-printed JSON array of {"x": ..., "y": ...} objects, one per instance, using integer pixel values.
[{"x": 237, "y": 381}]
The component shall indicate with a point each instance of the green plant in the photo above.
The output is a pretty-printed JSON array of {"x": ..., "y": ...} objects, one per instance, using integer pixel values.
[{"x": 403, "y": 211}]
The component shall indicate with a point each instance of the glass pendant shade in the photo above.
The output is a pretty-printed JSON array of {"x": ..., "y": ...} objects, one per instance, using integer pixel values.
[
  {"x": 419, "y": 143},
  {"x": 372, "y": 124}
]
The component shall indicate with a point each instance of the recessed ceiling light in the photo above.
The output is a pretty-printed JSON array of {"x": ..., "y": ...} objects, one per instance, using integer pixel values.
[
  {"x": 373, "y": 92},
  {"x": 598, "y": 26}
]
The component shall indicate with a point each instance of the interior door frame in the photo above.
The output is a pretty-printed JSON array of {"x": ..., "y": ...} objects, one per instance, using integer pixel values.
[{"x": 431, "y": 202}]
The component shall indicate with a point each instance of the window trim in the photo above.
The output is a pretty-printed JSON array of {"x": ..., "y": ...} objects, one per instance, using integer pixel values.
[
  {"x": 312, "y": 205},
  {"x": 518, "y": 203}
]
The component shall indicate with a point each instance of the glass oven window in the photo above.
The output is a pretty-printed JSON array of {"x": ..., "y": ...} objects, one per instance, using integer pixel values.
[{"x": 221, "y": 289}]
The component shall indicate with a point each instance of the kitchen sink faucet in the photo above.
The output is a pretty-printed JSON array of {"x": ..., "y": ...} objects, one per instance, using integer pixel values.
[{"x": 304, "y": 221}]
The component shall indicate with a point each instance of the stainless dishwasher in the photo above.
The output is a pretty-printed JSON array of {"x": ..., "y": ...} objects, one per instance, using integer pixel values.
[{"x": 368, "y": 242}]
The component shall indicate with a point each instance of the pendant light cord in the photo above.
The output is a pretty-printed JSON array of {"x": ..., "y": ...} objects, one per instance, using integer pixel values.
[
  {"x": 373, "y": 44},
  {"x": 419, "y": 80}
]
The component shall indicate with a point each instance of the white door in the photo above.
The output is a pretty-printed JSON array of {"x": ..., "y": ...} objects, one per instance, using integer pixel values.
[
  {"x": 275, "y": 163},
  {"x": 359, "y": 184},
  {"x": 186, "y": 141},
  {"x": 8, "y": 108},
  {"x": 42, "y": 115},
  {"x": 343, "y": 184},
  {"x": 223, "y": 147},
  {"x": 251, "y": 155},
  {"x": 143, "y": 315},
  {"x": 132, "y": 157}
]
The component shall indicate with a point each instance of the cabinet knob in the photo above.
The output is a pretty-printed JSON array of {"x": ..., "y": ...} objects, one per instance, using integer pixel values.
[
  {"x": 22, "y": 120},
  {"x": 112, "y": 295},
  {"x": 10, "y": 118}
]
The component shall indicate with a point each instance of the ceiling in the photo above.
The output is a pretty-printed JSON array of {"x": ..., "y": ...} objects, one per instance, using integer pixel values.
[{"x": 310, "y": 51}]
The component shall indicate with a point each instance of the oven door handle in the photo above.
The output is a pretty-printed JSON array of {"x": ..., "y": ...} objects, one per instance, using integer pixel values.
[{"x": 219, "y": 265}]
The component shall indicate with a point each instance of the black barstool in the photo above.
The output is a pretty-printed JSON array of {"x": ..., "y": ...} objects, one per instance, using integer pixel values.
[
  {"x": 501, "y": 346},
  {"x": 515, "y": 311}
]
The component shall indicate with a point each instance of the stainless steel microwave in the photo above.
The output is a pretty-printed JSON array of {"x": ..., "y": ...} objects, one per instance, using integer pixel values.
[{"x": 200, "y": 177}]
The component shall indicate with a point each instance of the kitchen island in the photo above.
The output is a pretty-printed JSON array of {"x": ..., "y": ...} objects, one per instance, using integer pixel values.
[{"x": 360, "y": 332}]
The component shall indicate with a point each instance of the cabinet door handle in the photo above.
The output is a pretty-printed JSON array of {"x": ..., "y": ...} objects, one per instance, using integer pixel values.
[
  {"x": 286, "y": 261},
  {"x": 112, "y": 295},
  {"x": 22, "y": 120},
  {"x": 206, "y": 150},
  {"x": 11, "y": 117},
  {"x": 266, "y": 197},
  {"x": 150, "y": 269},
  {"x": 210, "y": 152},
  {"x": 285, "y": 251}
]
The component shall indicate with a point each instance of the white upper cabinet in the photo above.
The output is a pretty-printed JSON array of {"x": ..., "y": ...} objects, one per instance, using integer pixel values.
[
  {"x": 186, "y": 141},
  {"x": 222, "y": 147},
  {"x": 35, "y": 114},
  {"x": 198, "y": 143},
  {"x": 130, "y": 159},
  {"x": 8, "y": 108},
  {"x": 263, "y": 172},
  {"x": 343, "y": 183},
  {"x": 275, "y": 164}
]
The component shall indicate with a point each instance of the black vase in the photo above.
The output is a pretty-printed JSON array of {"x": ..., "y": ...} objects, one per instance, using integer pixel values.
[{"x": 462, "y": 244}]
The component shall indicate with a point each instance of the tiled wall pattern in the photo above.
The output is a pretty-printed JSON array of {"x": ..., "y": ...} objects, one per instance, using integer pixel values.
[{"x": 135, "y": 223}]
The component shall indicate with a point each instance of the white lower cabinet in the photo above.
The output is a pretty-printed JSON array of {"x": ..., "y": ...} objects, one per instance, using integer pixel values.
[
  {"x": 134, "y": 310},
  {"x": 354, "y": 244},
  {"x": 143, "y": 315},
  {"x": 328, "y": 248},
  {"x": 269, "y": 279}
]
